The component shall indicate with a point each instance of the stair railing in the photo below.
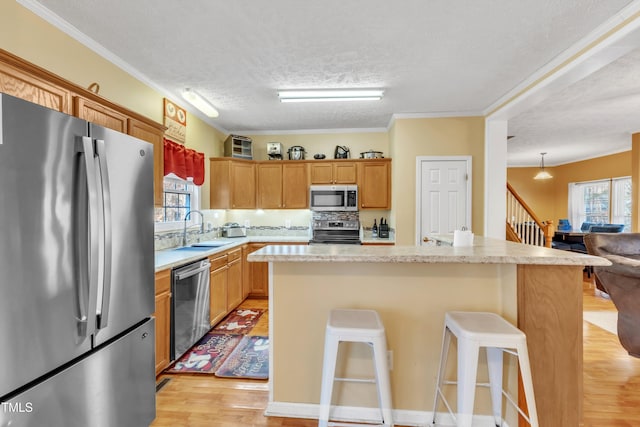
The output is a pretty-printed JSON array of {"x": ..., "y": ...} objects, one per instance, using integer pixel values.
[{"x": 522, "y": 223}]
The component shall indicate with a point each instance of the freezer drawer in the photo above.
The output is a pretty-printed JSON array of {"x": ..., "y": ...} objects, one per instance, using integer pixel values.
[{"x": 113, "y": 386}]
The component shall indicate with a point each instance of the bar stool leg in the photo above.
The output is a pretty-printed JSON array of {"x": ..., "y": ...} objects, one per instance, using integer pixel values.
[
  {"x": 494, "y": 363},
  {"x": 328, "y": 375},
  {"x": 467, "y": 371},
  {"x": 444, "y": 352},
  {"x": 382, "y": 379}
]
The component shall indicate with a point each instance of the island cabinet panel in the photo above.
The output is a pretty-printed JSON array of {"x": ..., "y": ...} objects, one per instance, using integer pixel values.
[
  {"x": 269, "y": 185},
  {"x": 218, "y": 288},
  {"x": 30, "y": 87},
  {"x": 333, "y": 172},
  {"x": 234, "y": 281},
  {"x": 232, "y": 183},
  {"x": 153, "y": 135},
  {"x": 163, "y": 319},
  {"x": 94, "y": 112},
  {"x": 374, "y": 182}
]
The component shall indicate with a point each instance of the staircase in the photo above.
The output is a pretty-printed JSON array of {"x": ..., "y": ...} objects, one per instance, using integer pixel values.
[{"x": 523, "y": 225}]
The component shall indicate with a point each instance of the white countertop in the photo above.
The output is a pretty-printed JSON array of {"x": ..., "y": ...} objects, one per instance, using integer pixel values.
[
  {"x": 483, "y": 251},
  {"x": 170, "y": 258}
]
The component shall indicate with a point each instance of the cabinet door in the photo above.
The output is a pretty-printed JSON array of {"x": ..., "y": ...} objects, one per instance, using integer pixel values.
[
  {"x": 295, "y": 188},
  {"x": 246, "y": 272},
  {"x": 321, "y": 173},
  {"x": 243, "y": 185},
  {"x": 99, "y": 114},
  {"x": 344, "y": 173},
  {"x": 150, "y": 134},
  {"x": 218, "y": 294},
  {"x": 29, "y": 87},
  {"x": 269, "y": 192},
  {"x": 374, "y": 182},
  {"x": 163, "y": 319},
  {"x": 234, "y": 285},
  {"x": 259, "y": 274}
]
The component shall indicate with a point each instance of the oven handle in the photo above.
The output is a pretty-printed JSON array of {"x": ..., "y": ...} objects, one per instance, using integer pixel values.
[{"x": 201, "y": 266}]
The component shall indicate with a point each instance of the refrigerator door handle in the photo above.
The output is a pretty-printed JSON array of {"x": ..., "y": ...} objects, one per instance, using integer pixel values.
[
  {"x": 86, "y": 238},
  {"x": 103, "y": 316}
]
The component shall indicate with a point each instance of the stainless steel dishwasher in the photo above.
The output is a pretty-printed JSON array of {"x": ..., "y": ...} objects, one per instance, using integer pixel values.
[{"x": 189, "y": 306}]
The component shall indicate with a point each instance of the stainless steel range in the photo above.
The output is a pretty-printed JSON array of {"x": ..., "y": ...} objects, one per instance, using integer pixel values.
[{"x": 328, "y": 231}]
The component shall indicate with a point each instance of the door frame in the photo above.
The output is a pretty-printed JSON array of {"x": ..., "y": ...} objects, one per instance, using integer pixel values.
[{"x": 418, "y": 198}]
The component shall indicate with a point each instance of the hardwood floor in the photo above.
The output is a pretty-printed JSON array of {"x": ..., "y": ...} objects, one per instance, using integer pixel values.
[{"x": 611, "y": 385}]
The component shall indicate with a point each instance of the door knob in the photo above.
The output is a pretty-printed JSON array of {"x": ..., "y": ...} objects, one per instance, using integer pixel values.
[{"x": 425, "y": 239}]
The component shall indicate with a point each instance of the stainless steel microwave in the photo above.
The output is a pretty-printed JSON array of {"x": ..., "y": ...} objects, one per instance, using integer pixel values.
[{"x": 333, "y": 197}]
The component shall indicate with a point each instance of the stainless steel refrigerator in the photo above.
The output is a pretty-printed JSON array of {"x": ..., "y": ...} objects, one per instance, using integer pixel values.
[{"x": 76, "y": 272}]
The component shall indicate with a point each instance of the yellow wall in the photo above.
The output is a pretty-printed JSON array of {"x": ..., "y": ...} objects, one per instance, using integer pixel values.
[
  {"x": 549, "y": 198},
  {"x": 409, "y": 138},
  {"x": 28, "y": 36}
]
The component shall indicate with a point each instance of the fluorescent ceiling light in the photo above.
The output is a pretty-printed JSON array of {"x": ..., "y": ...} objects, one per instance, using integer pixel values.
[
  {"x": 330, "y": 95},
  {"x": 199, "y": 102}
]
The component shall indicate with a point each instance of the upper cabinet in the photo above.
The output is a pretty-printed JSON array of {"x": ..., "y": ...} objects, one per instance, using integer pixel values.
[
  {"x": 282, "y": 185},
  {"x": 333, "y": 172},
  {"x": 374, "y": 182},
  {"x": 99, "y": 114},
  {"x": 232, "y": 183},
  {"x": 24, "y": 80}
]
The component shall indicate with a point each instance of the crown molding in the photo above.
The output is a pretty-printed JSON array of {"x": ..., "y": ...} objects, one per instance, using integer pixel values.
[{"x": 311, "y": 131}]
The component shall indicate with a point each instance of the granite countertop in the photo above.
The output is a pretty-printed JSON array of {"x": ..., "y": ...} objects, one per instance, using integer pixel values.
[
  {"x": 484, "y": 251},
  {"x": 171, "y": 258}
]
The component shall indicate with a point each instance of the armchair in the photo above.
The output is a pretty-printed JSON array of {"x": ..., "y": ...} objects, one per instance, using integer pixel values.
[{"x": 621, "y": 281}]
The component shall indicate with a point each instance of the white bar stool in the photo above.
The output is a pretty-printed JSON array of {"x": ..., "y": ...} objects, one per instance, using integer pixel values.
[
  {"x": 355, "y": 326},
  {"x": 474, "y": 330}
]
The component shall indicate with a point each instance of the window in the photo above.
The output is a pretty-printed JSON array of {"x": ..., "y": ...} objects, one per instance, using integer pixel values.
[
  {"x": 601, "y": 202},
  {"x": 179, "y": 197}
]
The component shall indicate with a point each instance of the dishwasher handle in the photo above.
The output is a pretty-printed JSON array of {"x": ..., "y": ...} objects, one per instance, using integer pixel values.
[{"x": 192, "y": 269}]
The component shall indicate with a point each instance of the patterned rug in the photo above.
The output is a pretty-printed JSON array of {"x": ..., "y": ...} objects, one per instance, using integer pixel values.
[
  {"x": 207, "y": 355},
  {"x": 239, "y": 321},
  {"x": 250, "y": 359}
]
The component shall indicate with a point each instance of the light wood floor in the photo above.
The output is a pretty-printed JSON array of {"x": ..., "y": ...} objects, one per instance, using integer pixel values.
[{"x": 611, "y": 386}]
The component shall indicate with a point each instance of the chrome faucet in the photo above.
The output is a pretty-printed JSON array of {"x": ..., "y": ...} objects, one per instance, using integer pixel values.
[{"x": 186, "y": 217}]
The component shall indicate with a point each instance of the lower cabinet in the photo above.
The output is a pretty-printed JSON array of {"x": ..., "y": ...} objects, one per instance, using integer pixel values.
[
  {"x": 257, "y": 276},
  {"x": 235, "y": 295},
  {"x": 218, "y": 288},
  {"x": 163, "y": 319}
]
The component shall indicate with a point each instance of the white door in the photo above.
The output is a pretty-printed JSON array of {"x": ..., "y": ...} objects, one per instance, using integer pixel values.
[{"x": 443, "y": 199}]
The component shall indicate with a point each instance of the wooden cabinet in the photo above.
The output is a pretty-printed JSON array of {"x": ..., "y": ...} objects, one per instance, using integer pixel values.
[
  {"x": 246, "y": 279},
  {"x": 218, "y": 288},
  {"x": 232, "y": 184},
  {"x": 163, "y": 319},
  {"x": 153, "y": 135},
  {"x": 257, "y": 276},
  {"x": 235, "y": 295},
  {"x": 374, "y": 184},
  {"x": 99, "y": 114},
  {"x": 34, "y": 88},
  {"x": 282, "y": 185},
  {"x": 333, "y": 172}
]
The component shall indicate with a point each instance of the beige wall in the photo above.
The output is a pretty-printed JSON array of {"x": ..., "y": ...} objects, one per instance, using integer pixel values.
[
  {"x": 549, "y": 198},
  {"x": 28, "y": 36},
  {"x": 409, "y": 138}
]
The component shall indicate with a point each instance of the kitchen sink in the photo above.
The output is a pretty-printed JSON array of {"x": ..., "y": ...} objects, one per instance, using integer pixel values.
[
  {"x": 193, "y": 248},
  {"x": 210, "y": 244}
]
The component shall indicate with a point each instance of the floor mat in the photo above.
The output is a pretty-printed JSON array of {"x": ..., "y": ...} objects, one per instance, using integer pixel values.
[
  {"x": 250, "y": 359},
  {"x": 607, "y": 320},
  {"x": 207, "y": 355},
  {"x": 239, "y": 321}
]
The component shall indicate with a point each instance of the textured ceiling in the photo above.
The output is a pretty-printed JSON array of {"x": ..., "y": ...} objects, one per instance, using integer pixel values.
[{"x": 431, "y": 56}]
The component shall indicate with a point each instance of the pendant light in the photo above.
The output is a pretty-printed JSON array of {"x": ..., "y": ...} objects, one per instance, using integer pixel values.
[{"x": 542, "y": 174}]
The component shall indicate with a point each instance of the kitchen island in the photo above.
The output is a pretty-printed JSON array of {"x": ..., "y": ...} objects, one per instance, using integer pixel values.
[{"x": 538, "y": 289}]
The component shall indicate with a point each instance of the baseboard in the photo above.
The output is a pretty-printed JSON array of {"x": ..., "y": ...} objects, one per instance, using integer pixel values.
[{"x": 368, "y": 415}]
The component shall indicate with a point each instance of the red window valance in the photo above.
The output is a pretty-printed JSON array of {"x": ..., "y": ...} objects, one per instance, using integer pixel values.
[{"x": 183, "y": 162}]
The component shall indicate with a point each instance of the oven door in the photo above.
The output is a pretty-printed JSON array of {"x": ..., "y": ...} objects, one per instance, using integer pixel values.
[{"x": 190, "y": 306}]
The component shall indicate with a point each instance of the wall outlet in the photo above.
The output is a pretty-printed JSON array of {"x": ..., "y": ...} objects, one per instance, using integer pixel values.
[
  {"x": 390, "y": 359},
  {"x": 287, "y": 223},
  {"x": 247, "y": 223}
]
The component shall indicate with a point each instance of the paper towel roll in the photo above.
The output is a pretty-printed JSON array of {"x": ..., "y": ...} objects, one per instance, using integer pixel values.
[{"x": 462, "y": 238}]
